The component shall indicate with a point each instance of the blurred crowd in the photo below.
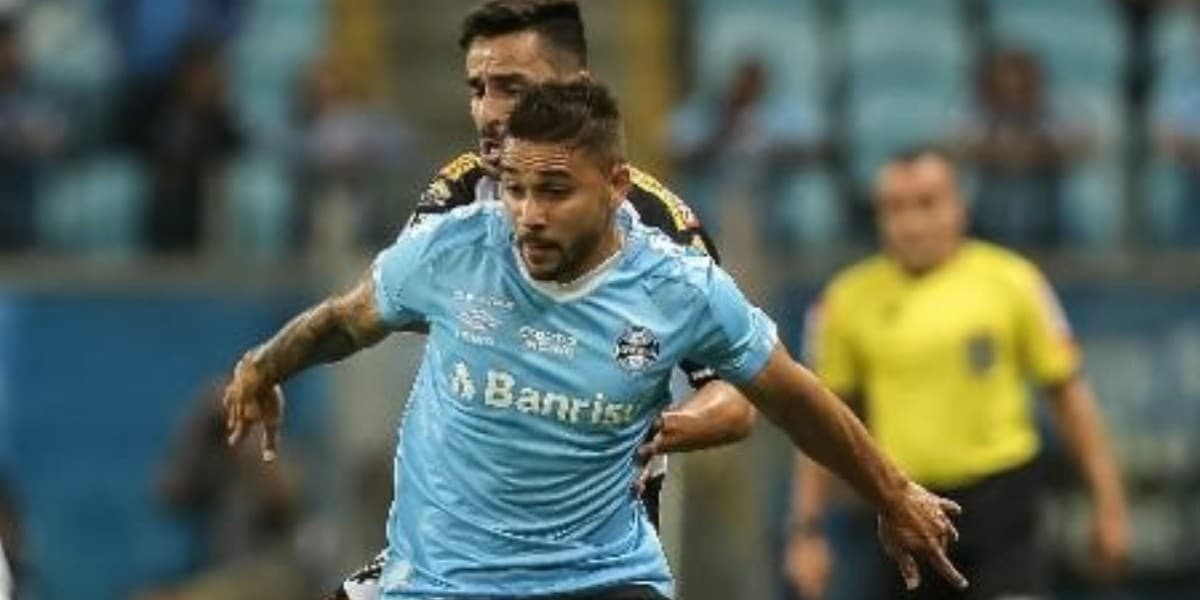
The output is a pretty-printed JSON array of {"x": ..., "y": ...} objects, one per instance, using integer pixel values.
[
  {"x": 179, "y": 126},
  {"x": 1074, "y": 118},
  {"x": 172, "y": 126}
]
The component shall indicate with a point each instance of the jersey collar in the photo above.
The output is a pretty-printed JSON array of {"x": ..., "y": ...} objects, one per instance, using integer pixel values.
[{"x": 587, "y": 283}]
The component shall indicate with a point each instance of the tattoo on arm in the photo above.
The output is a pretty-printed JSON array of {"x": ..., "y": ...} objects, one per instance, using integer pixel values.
[{"x": 327, "y": 332}]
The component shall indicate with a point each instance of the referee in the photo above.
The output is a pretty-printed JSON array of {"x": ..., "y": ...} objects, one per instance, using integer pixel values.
[{"x": 935, "y": 340}]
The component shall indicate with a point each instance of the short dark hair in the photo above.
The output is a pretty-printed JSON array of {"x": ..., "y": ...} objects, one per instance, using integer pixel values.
[
  {"x": 581, "y": 114},
  {"x": 911, "y": 154},
  {"x": 557, "y": 21}
]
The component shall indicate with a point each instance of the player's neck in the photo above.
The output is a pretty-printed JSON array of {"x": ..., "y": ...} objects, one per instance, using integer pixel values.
[
  {"x": 915, "y": 271},
  {"x": 603, "y": 255}
]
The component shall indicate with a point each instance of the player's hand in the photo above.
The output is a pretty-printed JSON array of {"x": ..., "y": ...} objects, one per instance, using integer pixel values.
[
  {"x": 676, "y": 431},
  {"x": 918, "y": 526},
  {"x": 672, "y": 431},
  {"x": 645, "y": 456},
  {"x": 1110, "y": 541},
  {"x": 808, "y": 565},
  {"x": 250, "y": 400}
]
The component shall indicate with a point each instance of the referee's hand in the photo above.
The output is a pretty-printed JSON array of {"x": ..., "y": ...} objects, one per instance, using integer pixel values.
[
  {"x": 918, "y": 526},
  {"x": 249, "y": 400}
]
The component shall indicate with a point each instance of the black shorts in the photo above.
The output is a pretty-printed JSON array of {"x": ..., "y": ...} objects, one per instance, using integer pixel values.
[
  {"x": 625, "y": 592},
  {"x": 997, "y": 549},
  {"x": 651, "y": 497}
]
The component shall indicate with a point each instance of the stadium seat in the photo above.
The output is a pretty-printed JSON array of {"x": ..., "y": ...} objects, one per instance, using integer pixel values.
[
  {"x": 881, "y": 125},
  {"x": 1082, "y": 45},
  {"x": 279, "y": 41},
  {"x": 1169, "y": 211},
  {"x": 889, "y": 9},
  {"x": 788, "y": 40},
  {"x": 1175, "y": 50},
  {"x": 1094, "y": 192},
  {"x": 811, "y": 212},
  {"x": 885, "y": 53},
  {"x": 1092, "y": 209},
  {"x": 265, "y": 111},
  {"x": 261, "y": 202},
  {"x": 94, "y": 208},
  {"x": 1053, "y": 9},
  {"x": 72, "y": 62}
]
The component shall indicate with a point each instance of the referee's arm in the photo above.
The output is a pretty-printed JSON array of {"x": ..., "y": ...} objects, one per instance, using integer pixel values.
[
  {"x": 1083, "y": 430},
  {"x": 1052, "y": 356}
]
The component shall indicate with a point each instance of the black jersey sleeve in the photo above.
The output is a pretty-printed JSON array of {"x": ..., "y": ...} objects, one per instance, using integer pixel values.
[{"x": 452, "y": 187}]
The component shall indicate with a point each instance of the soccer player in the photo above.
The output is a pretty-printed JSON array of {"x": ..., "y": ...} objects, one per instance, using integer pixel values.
[
  {"x": 509, "y": 46},
  {"x": 935, "y": 338},
  {"x": 556, "y": 319}
]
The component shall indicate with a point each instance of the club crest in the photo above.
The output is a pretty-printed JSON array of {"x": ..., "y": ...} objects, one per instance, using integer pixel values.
[{"x": 636, "y": 349}]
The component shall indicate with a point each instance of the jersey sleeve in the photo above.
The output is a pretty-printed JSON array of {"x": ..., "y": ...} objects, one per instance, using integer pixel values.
[
  {"x": 1045, "y": 342},
  {"x": 828, "y": 347},
  {"x": 733, "y": 337},
  {"x": 401, "y": 273},
  {"x": 662, "y": 209},
  {"x": 452, "y": 187}
]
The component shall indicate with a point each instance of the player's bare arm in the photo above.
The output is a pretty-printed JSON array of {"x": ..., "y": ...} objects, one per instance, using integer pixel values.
[
  {"x": 328, "y": 332},
  {"x": 913, "y": 522},
  {"x": 717, "y": 414}
]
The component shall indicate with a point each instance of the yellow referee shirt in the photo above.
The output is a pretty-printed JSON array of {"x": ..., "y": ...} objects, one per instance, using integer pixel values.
[{"x": 942, "y": 359}]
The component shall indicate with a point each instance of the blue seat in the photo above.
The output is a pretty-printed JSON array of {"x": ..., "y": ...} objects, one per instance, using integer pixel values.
[
  {"x": 1171, "y": 209},
  {"x": 72, "y": 63},
  {"x": 811, "y": 212},
  {"x": 1092, "y": 204},
  {"x": 881, "y": 125},
  {"x": 885, "y": 53},
  {"x": 1054, "y": 9},
  {"x": 1102, "y": 114},
  {"x": 265, "y": 112},
  {"x": 1081, "y": 48},
  {"x": 1094, "y": 192},
  {"x": 94, "y": 208},
  {"x": 1175, "y": 49},
  {"x": 789, "y": 41},
  {"x": 278, "y": 42},
  {"x": 261, "y": 198},
  {"x": 928, "y": 9}
]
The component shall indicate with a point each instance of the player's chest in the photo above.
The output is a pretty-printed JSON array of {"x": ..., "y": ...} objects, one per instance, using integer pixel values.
[
  {"x": 922, "y": 327},
  {"x": 605, "y": 343}
]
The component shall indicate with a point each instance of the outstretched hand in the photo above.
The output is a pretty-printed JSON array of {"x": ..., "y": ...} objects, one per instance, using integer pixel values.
[
  {"x": 918, "y": 526},
  {"x": 250, "y": 401}
]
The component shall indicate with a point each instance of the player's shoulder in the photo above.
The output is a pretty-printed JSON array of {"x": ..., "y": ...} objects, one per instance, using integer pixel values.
[
  {"x": 860, "y": 277},
  {"x": 657, "y": 205},
  {"x": 662, "y": 261},
  {"x": 995, "y": 261},
  {"x": 454, "y": 185},
  {"x": 475, "y": 225}
]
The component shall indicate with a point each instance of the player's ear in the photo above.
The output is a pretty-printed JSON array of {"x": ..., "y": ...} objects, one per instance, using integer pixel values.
[{"x": 619, "y": 180}]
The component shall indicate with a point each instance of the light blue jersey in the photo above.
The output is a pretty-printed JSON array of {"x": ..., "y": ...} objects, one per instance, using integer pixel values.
[{"x": 517, "y": 449}]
